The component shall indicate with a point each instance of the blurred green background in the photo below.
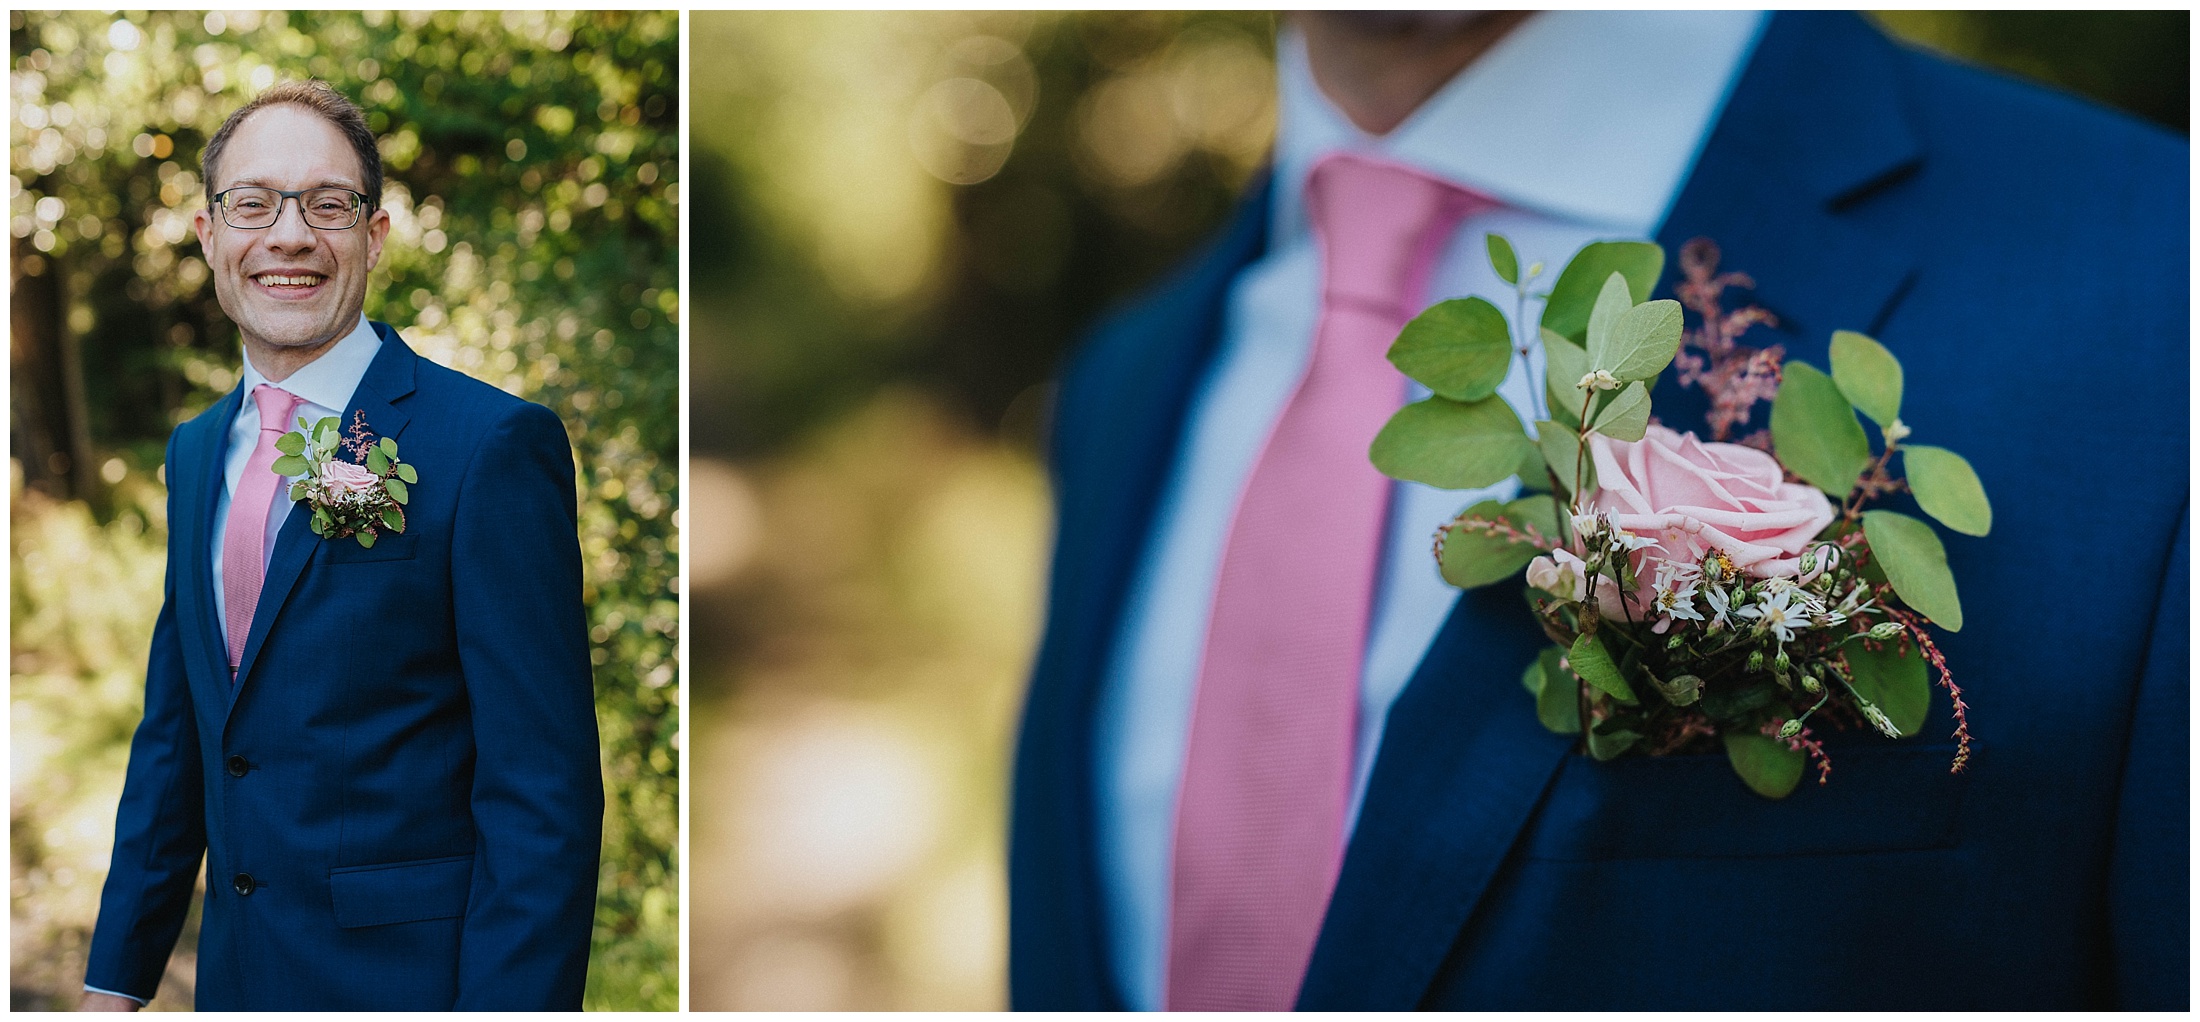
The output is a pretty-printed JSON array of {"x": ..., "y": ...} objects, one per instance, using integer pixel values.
[
  {"x": 900, "y": 222},
  {"x": 532, "y": 181}
]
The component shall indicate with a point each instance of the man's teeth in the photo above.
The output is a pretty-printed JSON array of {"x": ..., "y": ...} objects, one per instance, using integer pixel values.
[{"x": 304, "y": 280}]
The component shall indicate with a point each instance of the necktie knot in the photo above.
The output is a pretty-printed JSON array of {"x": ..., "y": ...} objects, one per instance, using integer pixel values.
[
  {"x": 1381, "y": 226},
  {"x": 275, "y": 405}
]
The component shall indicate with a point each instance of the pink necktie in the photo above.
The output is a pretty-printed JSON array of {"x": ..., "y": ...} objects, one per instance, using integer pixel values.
[
  {"x": 1259, "y": 825},
  {"x": 244, "y": 538}
]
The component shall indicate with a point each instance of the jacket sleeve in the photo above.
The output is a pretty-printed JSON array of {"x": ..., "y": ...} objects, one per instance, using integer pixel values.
[
  {"x": 2149, "y": 883},
  {"x": 160, "y": 827},
  {"x": 538, "y": 785}
]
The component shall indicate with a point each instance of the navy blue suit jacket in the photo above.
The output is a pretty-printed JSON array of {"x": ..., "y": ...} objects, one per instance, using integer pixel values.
[
  {"x": 2024, "y": 254},
  {"x": 406, "y": 767}
]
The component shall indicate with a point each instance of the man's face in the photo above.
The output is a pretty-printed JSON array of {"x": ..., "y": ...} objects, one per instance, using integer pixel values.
[{"x": 290, "y": 285}]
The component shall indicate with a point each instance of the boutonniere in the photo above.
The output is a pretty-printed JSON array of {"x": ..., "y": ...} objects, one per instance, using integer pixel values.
[
  {"x": 361, "y": 497},
  {"x": 1701, "y": 594}
]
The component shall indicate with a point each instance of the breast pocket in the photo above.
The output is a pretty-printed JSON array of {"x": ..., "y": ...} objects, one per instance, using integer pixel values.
[
  {"x": 399, "y": 547},
  {"x": 1879, "y": 798}
]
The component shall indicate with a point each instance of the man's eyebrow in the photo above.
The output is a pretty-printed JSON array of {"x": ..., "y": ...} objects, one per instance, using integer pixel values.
[{"x": 326, "y": 182}]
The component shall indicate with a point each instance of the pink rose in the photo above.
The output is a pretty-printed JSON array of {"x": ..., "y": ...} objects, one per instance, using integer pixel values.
[
  {"x": 344, "y": 477},
  {"x": 1690, "y": 497}
]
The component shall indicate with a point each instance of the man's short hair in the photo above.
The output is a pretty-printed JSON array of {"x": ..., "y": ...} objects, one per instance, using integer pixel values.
[{"x": 321, "y": 98}]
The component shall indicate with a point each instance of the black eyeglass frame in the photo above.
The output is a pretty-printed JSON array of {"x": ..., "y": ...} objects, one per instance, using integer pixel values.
[{"x": 360, "y": 204}]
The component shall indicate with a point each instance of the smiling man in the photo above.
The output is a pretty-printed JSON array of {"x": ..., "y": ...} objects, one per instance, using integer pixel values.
[{"x": 383, "y": 748}]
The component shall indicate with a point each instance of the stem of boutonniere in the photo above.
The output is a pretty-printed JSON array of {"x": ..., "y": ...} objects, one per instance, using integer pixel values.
[
  {"x": 1527, "y": 337},
  {"x": 1872, "y": 483}
]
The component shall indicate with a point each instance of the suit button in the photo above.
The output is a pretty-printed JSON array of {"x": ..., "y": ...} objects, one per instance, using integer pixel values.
[
  {"x": 238, "y": 767},
  {"x": 244, "y": 884}
]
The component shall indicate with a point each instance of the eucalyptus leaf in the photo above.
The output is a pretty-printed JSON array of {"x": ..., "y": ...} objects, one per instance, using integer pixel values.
[
  {"x": 291, "y": 443},
  {"x": 1815, "y": 432},
  {"x": 1564, "y": 364},
  {"x": 388, "y": 446},
  {"x": 1589, "y": 659},
  {"x": 1603, "y": 337},
  {"x": 324, "y": 430},
  {"x": 1566, "y": 310},
  {"x": 299, "y": 489},
  {"x": 1680, "y": 690},
  {"x": 1896, "y": 683},
  {"x": 394, "y": 519},
  {"x": 1627, "y": 415},
  {"x": 1766, "y": 764},
  {"x": 406, "y": 472},
  {"x": 1947, "y": 488},
  {"x": 1644, "y": 340},
  {"x": 1868, "y": 375},
  {"x": 1460, "y": 349},
  {"x": 1605, "y": 746},
  {"x": 396, "y": 488},
  {"x": 1539, "y": 510},
  {"x": 377, "y": 462},
  {"x": 1451, "y": 445},
  {"x": 365, "y": 537},
  {"x": 1558, "y": 700},
  {"x": 1562, "y": 452},
  {"x": 1502, "y": 259},
  {"x": 288, "y": 465},
  {"x": 1534, "y": 476},
  {"x": 1916, "y": 565},
  {"x": 1475, "y": 557}
]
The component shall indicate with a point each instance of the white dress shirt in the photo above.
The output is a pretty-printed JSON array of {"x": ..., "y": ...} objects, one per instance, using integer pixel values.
[
  {"x": 324, "y": 388},
  {"x": 1584, "y": 125}
]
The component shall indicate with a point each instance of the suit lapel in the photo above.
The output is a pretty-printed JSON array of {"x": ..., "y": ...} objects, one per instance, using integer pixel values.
[
  {"x": 389, "y": 378},
  {"x": 1814, "y": 129},
  {"x": 199, "y": 476}
]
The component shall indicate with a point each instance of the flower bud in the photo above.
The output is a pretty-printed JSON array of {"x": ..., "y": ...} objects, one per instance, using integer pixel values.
[
  {"x": 1780, "y": 661},
  {"x": 1811, "y": 685},
  {"x": 1886, "y": 630},
  {"x": 1756, "y": 660},
  {"x": 1674, "y": 642},
  {"x": 1791, "y": 729}
]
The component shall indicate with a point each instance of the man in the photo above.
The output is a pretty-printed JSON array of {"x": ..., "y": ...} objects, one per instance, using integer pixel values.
[
  {"x": 1370, "y": 816},
  {"x": 386, "y": 755}
]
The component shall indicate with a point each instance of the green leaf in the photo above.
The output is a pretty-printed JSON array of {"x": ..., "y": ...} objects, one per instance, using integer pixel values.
[
  {"x": 1868, "y": 376},
  {"x": 1564, "y": 364},
  {"x": 1502, "y": 259},
  {"x": 1947, "y": 488},
  {"x": 298, "y": 490},
  {"x": 1451, "y": 445},
  {"x": 1916, "y": 565},
  {"x": 1681, "y": 690},
  {"x": 1644, "y": 340},
  {"x": 389, "y": 447},
  {"x": 1534, "y": 478},
  {"x": 1815, "y": 432},
  {"x": 365, "y": 537},
  {"x": 1627, "y": 415},
  {"x": 1766, "y": 764},
  {"x": 1896, "y": 683},
  {"x": 1589, "y": 659},
  {"x": 291, "y": 443},
  {"x": 1477, "y": 557},
  {"x": 1605, "y": 746},
  {"x": 1461, "y": 349},
  {"x": 394, "y": 519},
  {"x": 1558, "y": 699},
  {"x": 324, "y": 431},
  {"x": 288, "y": 465},
  {"x": 396, "y": 488},
  {"x": 1561, "y": 451},
  {"x": 406, "y": 472},
  {"x": 377, "y": 462},
  {"x": 1566, "y": 311},
  {"x": 1612, "y": 305}
]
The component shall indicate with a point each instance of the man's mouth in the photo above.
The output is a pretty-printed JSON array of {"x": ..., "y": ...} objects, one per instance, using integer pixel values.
[{"x": 292, "y": 282}]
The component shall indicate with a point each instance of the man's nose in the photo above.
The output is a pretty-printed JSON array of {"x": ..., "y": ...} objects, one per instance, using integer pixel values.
[{"x": 290, "y": 231}]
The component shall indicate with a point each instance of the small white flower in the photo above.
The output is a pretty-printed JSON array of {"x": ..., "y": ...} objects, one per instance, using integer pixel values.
[
  {"x": 1775, "y": 611},
  {"x": 1715, "y": 597},
  {"x": 1601, "y": 379},
  {"x": 1624, "y": 541}
]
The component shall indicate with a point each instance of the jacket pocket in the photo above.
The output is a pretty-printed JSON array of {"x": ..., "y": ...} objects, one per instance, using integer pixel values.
[
  {"x": 1890, "y": 797},
  {"x": 399, "y": 547},
  {"x": 401, "y": 892}
]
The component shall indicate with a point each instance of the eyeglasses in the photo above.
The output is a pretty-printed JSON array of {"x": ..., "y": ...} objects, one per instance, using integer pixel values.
[{"x": 253, "y": 207}]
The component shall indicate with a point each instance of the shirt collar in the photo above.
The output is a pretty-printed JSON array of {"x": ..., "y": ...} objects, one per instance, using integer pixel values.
[
  {"x": 329, "y": 380},
  {"x": 1593, "y": 117}
]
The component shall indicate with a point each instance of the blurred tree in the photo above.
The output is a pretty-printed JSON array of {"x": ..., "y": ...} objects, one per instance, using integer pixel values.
[{"x": 532, "y": 162}]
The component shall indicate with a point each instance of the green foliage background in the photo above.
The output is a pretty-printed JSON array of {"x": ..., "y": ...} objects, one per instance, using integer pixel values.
[{"x": 532, "y": 161}]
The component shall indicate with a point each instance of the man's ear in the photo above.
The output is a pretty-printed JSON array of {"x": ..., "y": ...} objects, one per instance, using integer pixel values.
[
  {"x": 378, "y": 228},
  {"x": 203, "y": 223}
]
